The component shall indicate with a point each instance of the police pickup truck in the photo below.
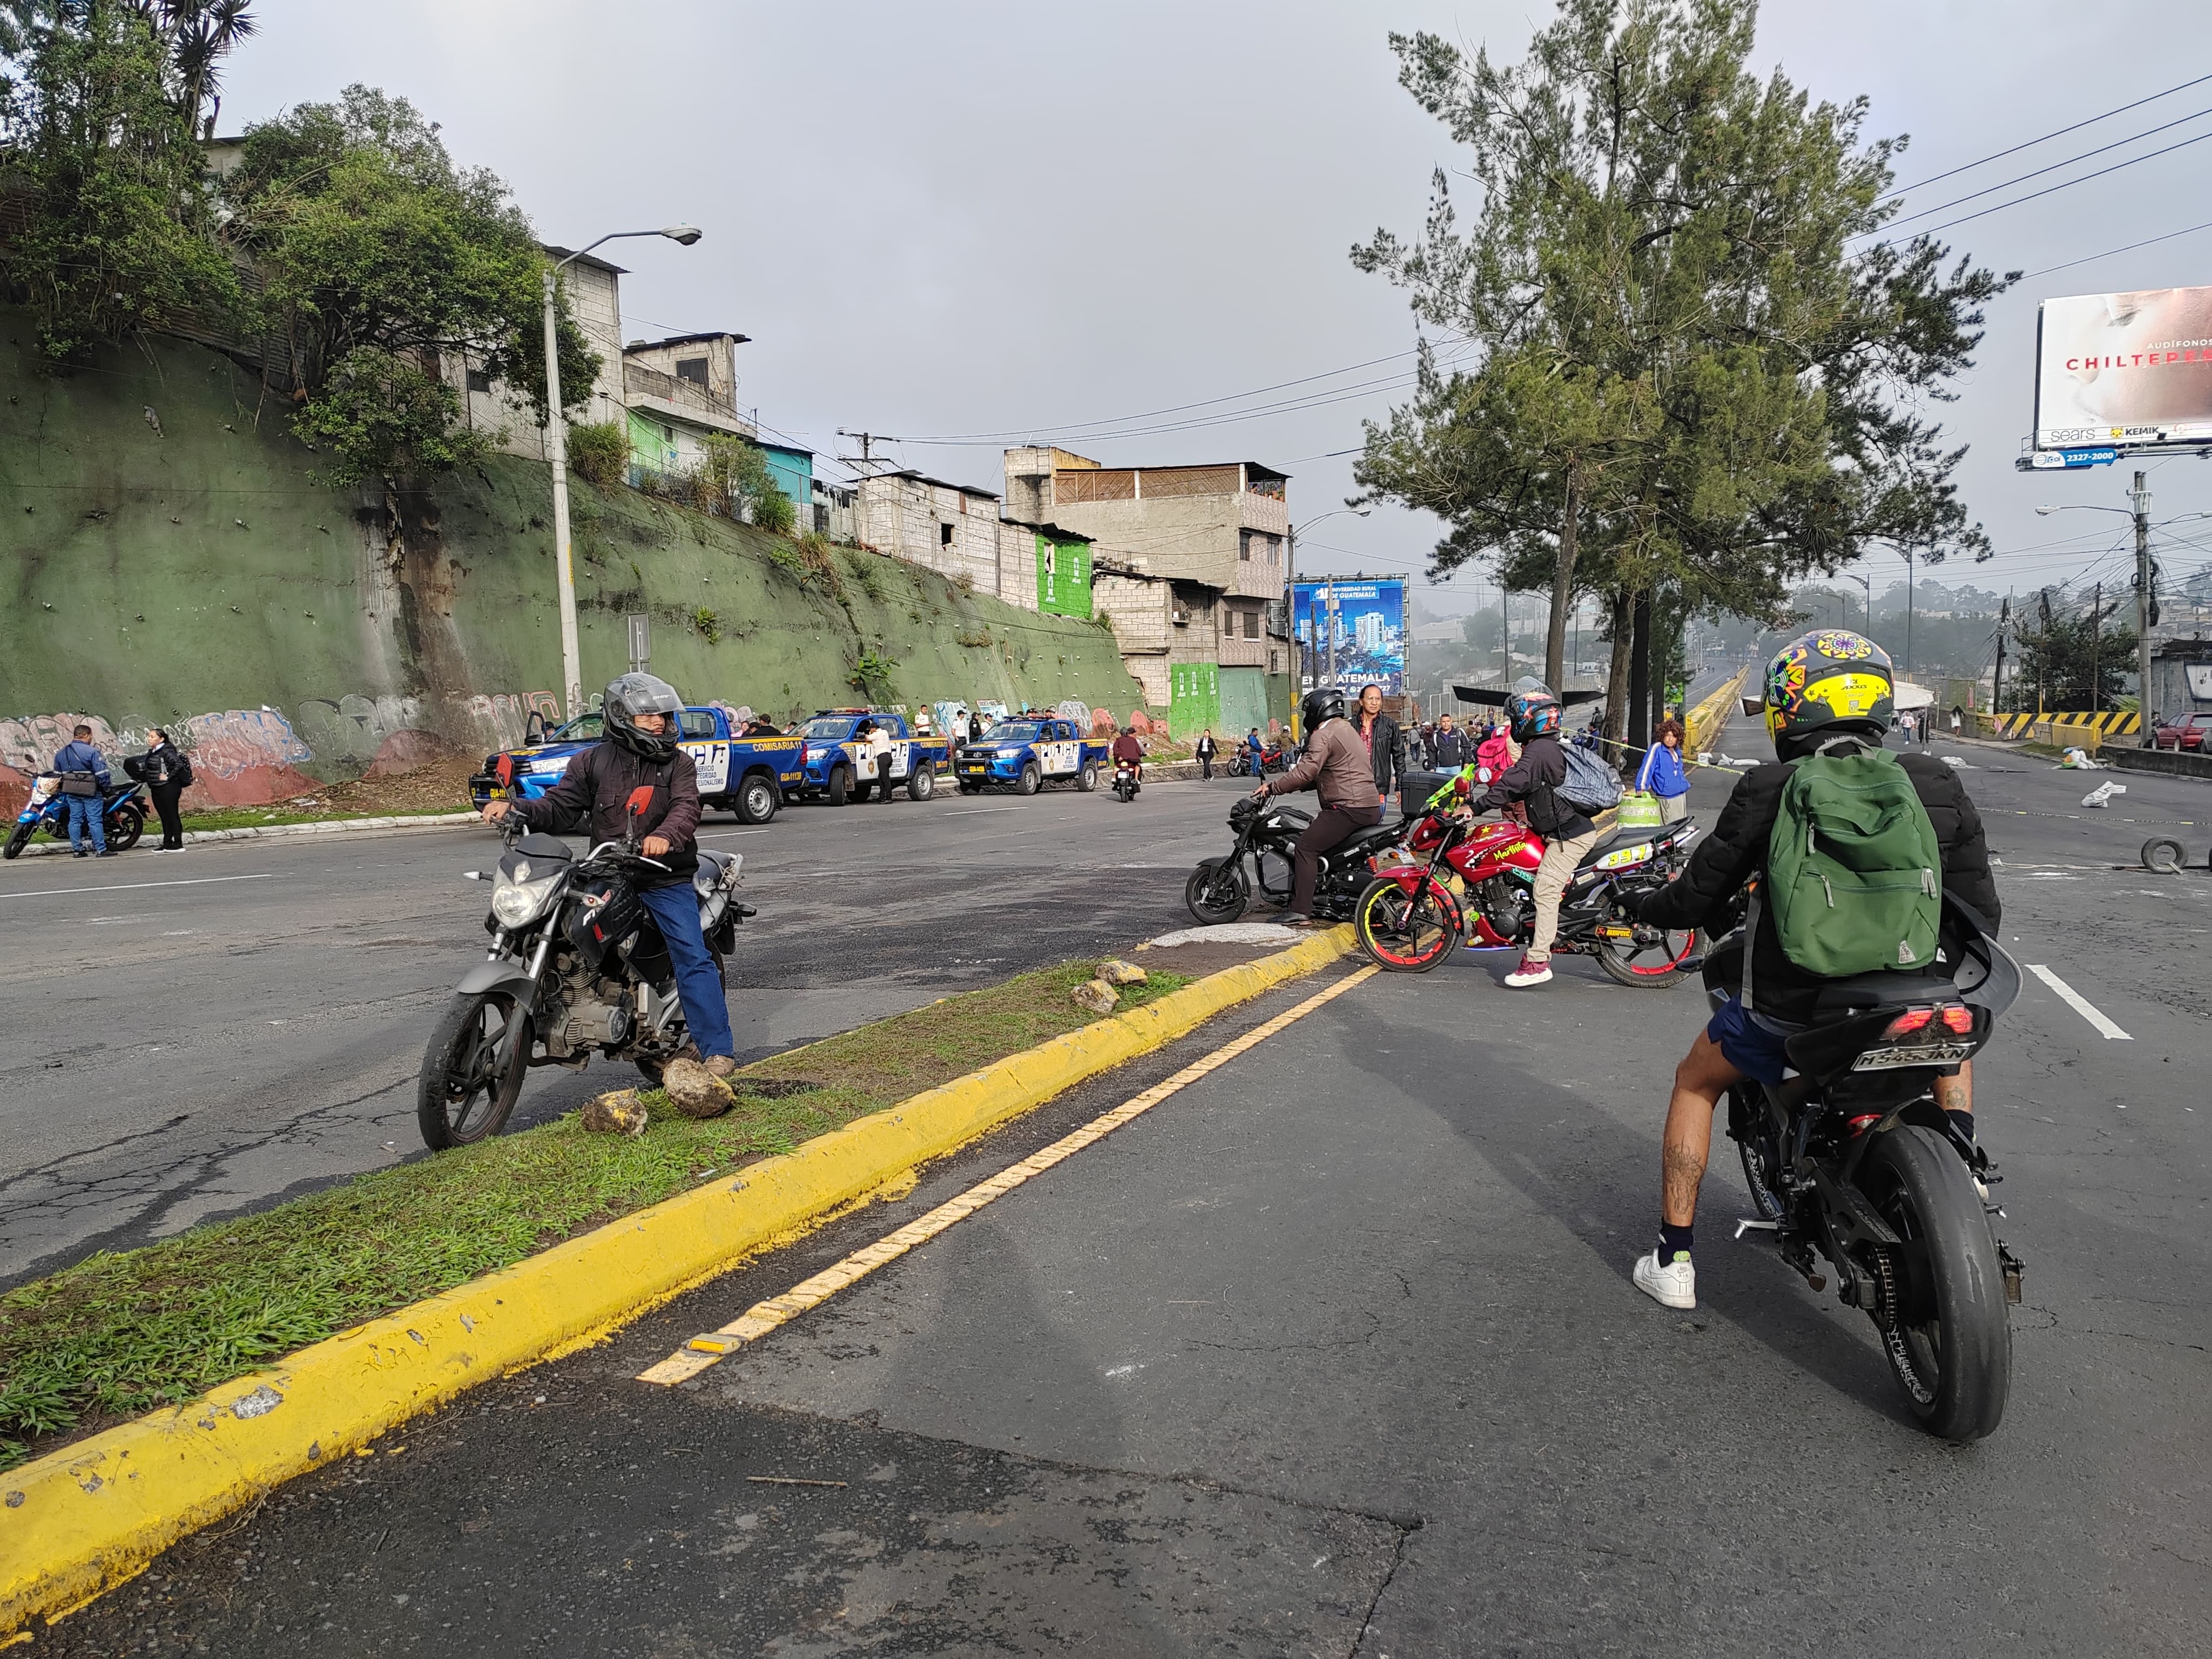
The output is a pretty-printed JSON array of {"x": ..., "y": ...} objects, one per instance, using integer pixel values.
[
  {"x": 836, "y": 770},
  {"x": 749, "y": 776},
  {"x": 1025, "y": 754}
]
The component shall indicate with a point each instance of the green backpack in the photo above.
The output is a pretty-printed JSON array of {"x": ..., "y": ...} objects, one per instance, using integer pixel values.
[{"x": 1853, "y": 867}]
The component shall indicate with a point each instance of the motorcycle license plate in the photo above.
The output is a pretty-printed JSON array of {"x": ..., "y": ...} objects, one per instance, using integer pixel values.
[{"x": 1920, "y": 1053}]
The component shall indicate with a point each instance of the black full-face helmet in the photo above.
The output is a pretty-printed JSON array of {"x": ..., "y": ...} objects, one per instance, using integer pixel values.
[
  {"x": 1323, "y": 702},
  {"x": 628, "y": 696}
]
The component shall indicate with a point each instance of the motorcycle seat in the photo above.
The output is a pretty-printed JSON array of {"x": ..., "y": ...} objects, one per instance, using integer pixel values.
[
  {"x": 1371, "y": 839},
  {"x": 1840, "y": 998},
  {"x": 1612, "y": 841},
  {"x": 709, "y": 875}
]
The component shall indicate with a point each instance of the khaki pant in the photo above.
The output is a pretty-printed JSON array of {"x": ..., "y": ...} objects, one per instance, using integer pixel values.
[{"x": 1553, "y": 875}]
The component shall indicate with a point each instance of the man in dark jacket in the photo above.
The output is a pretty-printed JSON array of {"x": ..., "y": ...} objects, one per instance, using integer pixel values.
[
  {"x": 1385, "y": 743},
  {"x": 641, "y": 751},
  {"x": 1452, "y": 750},
  {"x": 1534, "y": 717},
  {"x": 1825, "y": 686},
  {"x": 84, "y": 813}
]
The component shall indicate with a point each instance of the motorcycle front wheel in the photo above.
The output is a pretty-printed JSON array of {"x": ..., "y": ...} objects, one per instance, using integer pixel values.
[
  {"x": 18, "y": 839},
  {"x": 1941, "y": 1307},
  {"x": 464, "y": 1095},
  {"x": 1406, "y": 932},
  {"x": 1647, "y": 964},
  {"x": 1217, "y": 891}
]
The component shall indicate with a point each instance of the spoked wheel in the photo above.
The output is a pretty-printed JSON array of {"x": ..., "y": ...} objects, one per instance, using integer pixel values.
[
  {"x": 126, "y": 825},
  {"x": 466, "y": 1095},
  {"x": 1406, "y": 932},
  {"x": 1218, "y": 891},
  {"x": 1940, "y": 1306},
  {"x": 1646, "y": 958}
]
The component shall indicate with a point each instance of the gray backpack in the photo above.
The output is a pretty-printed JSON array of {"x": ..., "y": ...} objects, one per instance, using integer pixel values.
[{"x": 1591, "y": 785}]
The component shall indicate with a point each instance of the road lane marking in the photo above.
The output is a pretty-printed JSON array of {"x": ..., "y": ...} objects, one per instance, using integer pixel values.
[
  {"x": 970, "y": 812},
  {"x": 131, "y": 886},
  {"x": 724, "y": 834},
  {"x": 757, "y": 1321},
  {"x": 2080, "y": 1004}
]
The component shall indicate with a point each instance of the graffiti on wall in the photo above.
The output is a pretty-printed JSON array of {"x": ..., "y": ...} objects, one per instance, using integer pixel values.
[{"x": 498, "y": 719}]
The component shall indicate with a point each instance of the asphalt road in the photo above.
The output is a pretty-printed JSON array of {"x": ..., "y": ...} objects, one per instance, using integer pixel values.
[
  {"x": 1335, "y": 1351},
  {"x": 194, "y": 1034}
]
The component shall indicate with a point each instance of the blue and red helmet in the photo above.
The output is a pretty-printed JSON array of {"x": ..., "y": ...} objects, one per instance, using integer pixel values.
[{"x": 1534, "y": 713}]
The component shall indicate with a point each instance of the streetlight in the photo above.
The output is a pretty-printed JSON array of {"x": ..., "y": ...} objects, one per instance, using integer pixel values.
[
  {"x": 1291, "y": 594},
  {"x": 2138, "y": 508},
  {"x": 557, "y": 432}
]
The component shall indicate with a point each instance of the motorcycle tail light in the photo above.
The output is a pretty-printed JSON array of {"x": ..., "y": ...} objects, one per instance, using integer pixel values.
[
  {"x": 1958, "y": 1017},
  {"x": 1908, "y": 1022},
  {"x": 1863, "y": 1122}
]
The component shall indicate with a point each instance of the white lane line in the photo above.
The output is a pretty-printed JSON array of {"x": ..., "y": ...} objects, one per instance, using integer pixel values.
[
  {"x": 725, "y": 835},
  {"x": 2080, "y": 1004},
  {"x": 131, "y": 886},
  {"x": 970, "y": 812}
]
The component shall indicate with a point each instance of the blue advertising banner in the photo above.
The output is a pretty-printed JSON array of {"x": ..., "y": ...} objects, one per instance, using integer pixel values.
[{"x": 1350, "y": 634}]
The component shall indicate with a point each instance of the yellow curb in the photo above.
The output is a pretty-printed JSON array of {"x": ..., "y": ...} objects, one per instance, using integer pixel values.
[{"x": 83, "y": 1520}]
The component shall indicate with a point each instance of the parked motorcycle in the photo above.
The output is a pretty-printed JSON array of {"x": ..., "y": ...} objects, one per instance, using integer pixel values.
[
  {"x": 1456, "y": 879},
  {"x": 1852, "y": 1157},
  {"x": 1125, "y": 781},
  {"x": 577, "y": 964},
  {"x": 123, "y": 815},
  {"x": 1267, "y": 836},
  {"x": 1275, "y": 757}
]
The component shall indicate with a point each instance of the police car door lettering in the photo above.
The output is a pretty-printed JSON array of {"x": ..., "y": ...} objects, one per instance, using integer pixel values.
[{"x": 712, "y": 760}]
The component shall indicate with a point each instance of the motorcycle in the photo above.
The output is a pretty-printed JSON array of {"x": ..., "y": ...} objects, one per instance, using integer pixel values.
[
  {"x": 1851, "y": 1156},
  {"x": 1276, "y": 757},
  {"x": 577, "y": 964},
  {"x": 1456, "y": 879},
  {"x": 123, "y": 815},
  {"x": 1219, "y": 889},
  {"x": 1125, "y": 781}
]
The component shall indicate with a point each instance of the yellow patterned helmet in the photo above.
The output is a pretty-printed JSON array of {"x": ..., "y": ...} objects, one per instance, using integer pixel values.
[{"x": 1828, "y": 677}]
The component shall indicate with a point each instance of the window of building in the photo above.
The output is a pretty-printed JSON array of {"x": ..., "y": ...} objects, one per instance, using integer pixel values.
[
  {"x": 1251, "y": 624},
  {"x": 1244, "y": 545},
  {"x": 1274, "y": 662},
  {"x": 821, "y": 520},
  {"x": 479, "y": 380},
  {"x": 945, "y": 535},
  {"x": 693, "y": 369}
]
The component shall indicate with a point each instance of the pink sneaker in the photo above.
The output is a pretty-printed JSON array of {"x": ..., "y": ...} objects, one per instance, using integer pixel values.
[{"x": 1530, "y": 972}]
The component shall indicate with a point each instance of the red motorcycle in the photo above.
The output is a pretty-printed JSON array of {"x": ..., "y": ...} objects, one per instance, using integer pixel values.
[{"x": 1456, "y": 878}]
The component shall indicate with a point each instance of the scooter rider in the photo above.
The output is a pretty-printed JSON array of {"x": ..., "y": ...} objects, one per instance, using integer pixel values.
[
  {"x": 1128, "y": 748},
  {"x": 639, "y": 712},
  {"x": 1825, "y": 685},
  {"x": 1337, "y": 766},
  {"x": 1534, "y": 717}
]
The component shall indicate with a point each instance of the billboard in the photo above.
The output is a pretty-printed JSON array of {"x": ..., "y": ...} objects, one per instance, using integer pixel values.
[
  {"x": 1350, "y": 634},
  {"x": 2121, "y": 370}
]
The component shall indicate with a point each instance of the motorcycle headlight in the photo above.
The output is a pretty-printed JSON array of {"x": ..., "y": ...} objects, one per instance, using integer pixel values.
[
  {"x": 42, "y": 792},
  {"x": 517, "y": 902}
]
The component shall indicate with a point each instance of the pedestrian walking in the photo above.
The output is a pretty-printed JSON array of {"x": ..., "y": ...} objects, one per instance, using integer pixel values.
[
  {"x": 1452, "y": 751},
  {"x": 166, "y": 774},
  {"x": 1957, "y": 720},
  {"x": 1204, "y": 750},
  {"x": 83, "y": 771}
]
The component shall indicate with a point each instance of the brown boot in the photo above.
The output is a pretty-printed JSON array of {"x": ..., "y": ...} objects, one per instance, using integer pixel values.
[{"x": 721, "y": 1066}]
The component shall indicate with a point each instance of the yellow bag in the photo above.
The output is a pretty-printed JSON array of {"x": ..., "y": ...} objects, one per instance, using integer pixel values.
[{"x": 1640, "y": 810}]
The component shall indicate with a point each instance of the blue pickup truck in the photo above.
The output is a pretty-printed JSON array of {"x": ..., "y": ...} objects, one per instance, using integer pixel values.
[
  {"x": 834, "y": 767},
  {"x": 1024, "y": 755},
  {"x": 749, "y": 776}
]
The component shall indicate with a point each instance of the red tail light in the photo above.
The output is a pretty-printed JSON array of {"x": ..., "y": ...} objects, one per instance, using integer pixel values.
[
  {"x": 1958, "y": 1017},
  {"x": 1864, "y": 1121},
  {"x": 1908, "y": 1022}
]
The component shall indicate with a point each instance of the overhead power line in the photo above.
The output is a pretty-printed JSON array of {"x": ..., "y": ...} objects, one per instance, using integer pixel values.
[
  {"x": 2022, "y": 179},
  {"x": 2068, "y": 184},
  {"x": 2130, "y": 248},
  {"x": 1998, "y": 155}
]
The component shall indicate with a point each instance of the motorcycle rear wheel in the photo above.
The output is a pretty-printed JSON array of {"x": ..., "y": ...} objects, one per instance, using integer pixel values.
[
  {"x": 1218, "y": 891},
  {"x": 125, "y": 828},
  {"x": 460, "y": 1099},
  {"x": 1406, "y": 932},
  {"x": 1943, "y": 1318},
  {"x": 1753, "y": 1145}
]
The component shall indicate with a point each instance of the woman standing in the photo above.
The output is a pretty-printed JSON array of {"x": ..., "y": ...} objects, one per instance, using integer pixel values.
[
  {"x": 167, "y": 774},
  {"x": 1662, "y": 774}
]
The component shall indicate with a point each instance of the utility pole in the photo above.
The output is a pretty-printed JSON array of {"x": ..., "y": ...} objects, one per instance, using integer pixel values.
[
  {"x": 2096, "y": 639},
  {"x": 2005, "y": 627},
  {"x": 2139, "y": 499}
]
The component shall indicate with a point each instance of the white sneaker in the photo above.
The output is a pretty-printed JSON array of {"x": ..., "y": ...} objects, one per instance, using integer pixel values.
[
  {"x": 1674, "y": 1284},
  {"x": 1530, "y": 972}
]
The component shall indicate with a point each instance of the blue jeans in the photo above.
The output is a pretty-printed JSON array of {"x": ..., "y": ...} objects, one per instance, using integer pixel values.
[
  {"x": 698, "y": 983},
  {"x": 83, "y": 811}
]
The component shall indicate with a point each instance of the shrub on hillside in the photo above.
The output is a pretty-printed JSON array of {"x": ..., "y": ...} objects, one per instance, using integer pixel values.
[{"x": 599, "y": 451}]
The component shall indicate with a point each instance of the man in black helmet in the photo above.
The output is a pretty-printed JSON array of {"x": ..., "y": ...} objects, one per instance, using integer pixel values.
[
  {"x": 640, "y": 712},
  {"x": 1337, "y": 766}
]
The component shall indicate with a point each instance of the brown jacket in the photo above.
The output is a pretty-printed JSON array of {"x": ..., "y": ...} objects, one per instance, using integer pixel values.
[
  {"x": 595, "y": 792},
  {"x": 1335, "y": 765}
]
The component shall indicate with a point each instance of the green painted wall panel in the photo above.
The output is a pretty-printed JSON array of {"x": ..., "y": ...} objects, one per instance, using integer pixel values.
[{"x": 1194, "y": 699}]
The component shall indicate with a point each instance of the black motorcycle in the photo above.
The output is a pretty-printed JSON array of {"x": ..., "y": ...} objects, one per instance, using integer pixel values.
[
  {"x": 1853, "y": 1159},
  {"x": 577, "y": 964},
  {"x": 1125, "y": 781},
  {"x": 1266, "y": 836}
]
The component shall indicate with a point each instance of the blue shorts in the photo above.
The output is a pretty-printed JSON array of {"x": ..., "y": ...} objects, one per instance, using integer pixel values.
[{"x": 1748, "y": 1045}]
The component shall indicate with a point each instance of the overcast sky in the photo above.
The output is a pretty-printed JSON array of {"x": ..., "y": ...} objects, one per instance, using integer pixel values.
[{"x": 954, "y": 219}]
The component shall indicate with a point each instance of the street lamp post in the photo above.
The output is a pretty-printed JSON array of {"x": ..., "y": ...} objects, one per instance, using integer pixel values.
[{"x": 556, "y": 443}]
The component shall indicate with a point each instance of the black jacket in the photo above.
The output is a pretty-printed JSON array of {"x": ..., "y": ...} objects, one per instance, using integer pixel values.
[
  {"x": 1452, "y": 751},
  {"x": 1736, "y": 851},
  {"x": 1384, "y": 747},
  {"x": 162, "y": 766},
  {"x": 1530, "y": 781},
  {"x": 595, "y": 792}
]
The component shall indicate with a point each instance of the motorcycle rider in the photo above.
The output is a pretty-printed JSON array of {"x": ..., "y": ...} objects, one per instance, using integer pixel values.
[
  {"x": 1823, "y": 685},
  {"x": 1533, "y": 718},
  {"x": 1128, "y": 748},
  {"x": 640, "y": 712},
  {"x": 1337, "y": 766}
]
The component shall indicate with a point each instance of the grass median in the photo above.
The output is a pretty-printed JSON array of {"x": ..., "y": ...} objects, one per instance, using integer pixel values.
[{"x": 119, "y": 1334}]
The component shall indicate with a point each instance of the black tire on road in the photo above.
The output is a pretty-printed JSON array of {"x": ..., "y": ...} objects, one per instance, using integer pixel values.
[
  {"x": 18, "y": 838},
  {"x": 757, "y": 798},
  {"x": 921, "y": 784},
  {"x": 460, "y": 1098},
  {"x": 1753, "y": 1143},
  {"x": 2165, "y": 855},
  {"x": 1087, "y": 779},
  {"x": 840, "y": 784},
  {"x": 1218, "y": 891},
  {"x": 1031, "y": 778},
  {"x": 1948, "y": 1338},
  {"x": 123, "y": 828}
]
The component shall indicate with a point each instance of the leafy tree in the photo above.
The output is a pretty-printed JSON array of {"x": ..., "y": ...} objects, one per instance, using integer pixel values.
[
  {"x": 2070, "y": 659},
  {"x": 1677, "y": 376},
  {"x": 194, "y": 37},
  {"x": 738, "y": 481},
  {"x": 95, "y": 127},
  {"x": 381, "y": 256}
]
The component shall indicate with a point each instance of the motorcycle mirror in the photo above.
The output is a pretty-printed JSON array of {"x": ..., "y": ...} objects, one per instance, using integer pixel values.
[
  {"x": 1752, "y": 705},
  {"x": 504, "y": 766},
  {"x": 641, "y": 799}
]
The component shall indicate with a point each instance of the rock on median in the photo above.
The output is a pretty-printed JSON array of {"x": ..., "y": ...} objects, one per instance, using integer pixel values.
[
  {"x": 696, "y": 1091},
  {"x": 621, "y": 1113},
  {"x": 1096, "y": 996}
]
